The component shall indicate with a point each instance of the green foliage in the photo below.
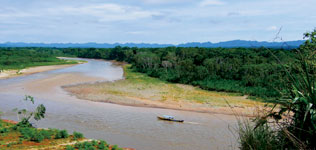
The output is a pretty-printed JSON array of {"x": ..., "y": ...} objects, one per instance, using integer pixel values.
[
  {"x": 27, "y": 133},
  {"x": 36, "y": 135},
  {"x": 62, "y": 134},
  {"x": 68, "y": 147},
  {"x": 93, "y": 145},
  {"x": 115, "y": 147},
  {"x": 47, "y": 133},
  {"x": 9, "y": 145},
  {"x": 77, "y": 135},
  {"x": 4, "y": 130},
  {"x": 103, "y": 145},
  {"x": 20, "y": 58},
  {"x": 40, "y": 112},
  {"x": 26, "y": 115},
  {"x": 260, "y": 138}
]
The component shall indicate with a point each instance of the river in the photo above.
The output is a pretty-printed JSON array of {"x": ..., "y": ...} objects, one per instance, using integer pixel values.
[{"x": 126, "y": 126}]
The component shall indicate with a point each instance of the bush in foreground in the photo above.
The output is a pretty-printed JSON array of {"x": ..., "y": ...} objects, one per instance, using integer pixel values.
[
  {"x": 294, "y": 120},
  {"x": 258, "y": 138}
]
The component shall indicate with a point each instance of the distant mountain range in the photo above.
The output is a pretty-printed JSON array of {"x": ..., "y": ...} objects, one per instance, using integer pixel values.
[{"x": 227, "y": 44}]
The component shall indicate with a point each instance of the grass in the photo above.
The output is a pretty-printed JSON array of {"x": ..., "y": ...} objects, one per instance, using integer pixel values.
[
  {"x": 142, "y": 87},
  {"x": 258, "y": 138}
]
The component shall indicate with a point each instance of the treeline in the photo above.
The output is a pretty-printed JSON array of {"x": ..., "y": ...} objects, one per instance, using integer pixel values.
[
  {"x": 253, "y": 71},
  {"x": 19, "y": 58}
]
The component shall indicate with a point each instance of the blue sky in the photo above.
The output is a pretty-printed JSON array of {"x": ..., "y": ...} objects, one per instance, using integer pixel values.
[{"x": 154, "y": 21}]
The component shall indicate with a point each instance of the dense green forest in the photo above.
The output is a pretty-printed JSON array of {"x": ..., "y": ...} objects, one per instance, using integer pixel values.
[
  {"x": 19, "y": 58},
  {"x": 254, "y": 71}
]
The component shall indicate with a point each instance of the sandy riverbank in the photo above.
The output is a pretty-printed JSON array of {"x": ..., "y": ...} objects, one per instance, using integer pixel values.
[
  {"x": 14, "y": 73},
  {"x": 84, "y": 93},
  {"x": 143, "y": 91}
]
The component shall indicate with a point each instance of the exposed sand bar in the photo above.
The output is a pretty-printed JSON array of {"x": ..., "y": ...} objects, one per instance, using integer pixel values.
[
  {"x": 143, "y": 91},
  {"x": 14, "y": 73},
  {"x": 96, "y": 92}
]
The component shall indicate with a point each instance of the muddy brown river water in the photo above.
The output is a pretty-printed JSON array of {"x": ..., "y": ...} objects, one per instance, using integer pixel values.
[{"x": 126, "y": 126}]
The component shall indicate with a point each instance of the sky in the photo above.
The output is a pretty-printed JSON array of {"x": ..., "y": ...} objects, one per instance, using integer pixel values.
[{"x": 154, "y": 21}]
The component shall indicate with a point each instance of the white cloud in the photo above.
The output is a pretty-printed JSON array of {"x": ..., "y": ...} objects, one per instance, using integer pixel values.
[
  {"x": 109, "y": 12},
  {"x": 272, "y": 28},
  {"x": 211, "y": 3}
]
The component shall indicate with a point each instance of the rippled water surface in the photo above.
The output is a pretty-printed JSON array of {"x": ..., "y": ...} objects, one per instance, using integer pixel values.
[{"x": 135, "y": 127}]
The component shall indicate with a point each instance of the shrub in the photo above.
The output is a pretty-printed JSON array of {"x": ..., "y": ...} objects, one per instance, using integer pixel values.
[
  {"x": 68, "y": 147},
  {"x": 115, "y": 147},
  {"x": 103, "y": 145},
  {"x": 34, "y": 134},
  {"x": 37, "y": 137},
  {"x": 61, "y": 134},
  {"x": 4, "y": 130},
  {"x": 94, "y": 143},
  {"x": 20, "y": 140},
  {"x": 47, "y": 134},
  {"x": 77, "y": 135},
  {"x": 91, "y": 148},
  {"x": 87, "y": 145},
  {"x": 9, "y": 145},
  {"x": 27, "y": 133}
]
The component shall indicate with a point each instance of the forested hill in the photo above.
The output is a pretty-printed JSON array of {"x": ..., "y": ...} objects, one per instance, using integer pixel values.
[{"x": 227, "y": 44}]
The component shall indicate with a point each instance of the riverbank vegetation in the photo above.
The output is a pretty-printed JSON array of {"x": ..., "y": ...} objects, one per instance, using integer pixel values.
[{"x": 20, "y": 58}]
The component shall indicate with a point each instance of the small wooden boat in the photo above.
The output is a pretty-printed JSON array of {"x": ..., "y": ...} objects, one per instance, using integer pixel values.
[{"x": 169, "y": 118}]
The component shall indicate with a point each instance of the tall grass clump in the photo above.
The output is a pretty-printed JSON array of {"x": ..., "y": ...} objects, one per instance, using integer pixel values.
[
  {"x": 260, "y": 138},
  {"x": 291, "y": 123}
]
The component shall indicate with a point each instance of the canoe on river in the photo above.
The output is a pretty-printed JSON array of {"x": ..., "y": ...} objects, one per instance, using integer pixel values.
[{"x": 169, "y": 118}]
